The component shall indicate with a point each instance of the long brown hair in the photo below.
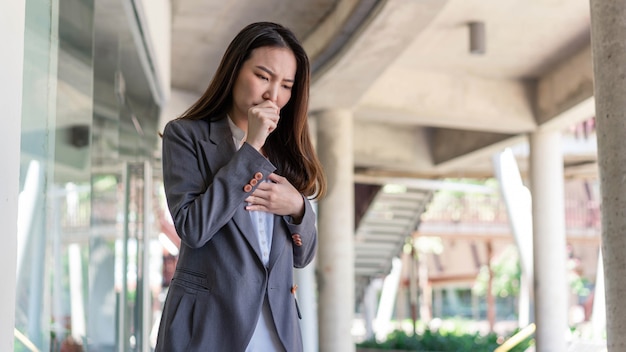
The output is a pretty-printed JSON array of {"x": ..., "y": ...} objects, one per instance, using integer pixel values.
[{"x": 289, "y": 146}]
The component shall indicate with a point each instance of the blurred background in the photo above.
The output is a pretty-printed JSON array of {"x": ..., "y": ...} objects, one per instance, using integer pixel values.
[{"x": 458, "y": 136}]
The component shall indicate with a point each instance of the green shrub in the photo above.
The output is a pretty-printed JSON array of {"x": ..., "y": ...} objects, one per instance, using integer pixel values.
[{"x": 442, "y": 341}]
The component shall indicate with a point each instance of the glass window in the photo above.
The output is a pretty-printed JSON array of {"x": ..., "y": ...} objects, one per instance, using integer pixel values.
[{"x": 89, "y": 263}]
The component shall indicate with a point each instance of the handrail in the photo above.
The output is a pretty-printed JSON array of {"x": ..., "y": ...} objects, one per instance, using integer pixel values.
[
  {"x": 516, "y": 339},
  {"x": 580, "y": 215},
  {"x": 25, "y": 341}
]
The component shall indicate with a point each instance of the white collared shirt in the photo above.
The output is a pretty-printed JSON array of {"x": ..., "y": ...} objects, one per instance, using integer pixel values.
[{"x": 265, "y": 338}]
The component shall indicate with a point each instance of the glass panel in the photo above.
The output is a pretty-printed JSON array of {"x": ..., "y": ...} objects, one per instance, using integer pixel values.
[
  {"x": 86, "y": 238},
  {"x": 124, "y": 138},
  {"x": 39, "y": 74},
  {"x": 55, "y": 186},
  {"x": 106, "y": 220},
  {"x": 131, "y": 253}
]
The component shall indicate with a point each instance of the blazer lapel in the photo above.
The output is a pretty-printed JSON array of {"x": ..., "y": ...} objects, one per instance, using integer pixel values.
[
  {"x": 219, "y": 151},
  {"x": 244, "y": 223},
  {"x": 278, "y": 240}
]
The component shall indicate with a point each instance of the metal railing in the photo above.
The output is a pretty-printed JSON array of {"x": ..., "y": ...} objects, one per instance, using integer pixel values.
[
  {"x": 489, "y": 210},
  {"x": 516, "y": 339}
]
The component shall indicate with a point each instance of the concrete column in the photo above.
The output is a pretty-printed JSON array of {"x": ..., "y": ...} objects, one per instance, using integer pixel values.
[
  {"x": 387, "y": 300},
  {"x": 598, "y": 310},
  {"x": 370, "y": 306},
  {"x": 518, "y": 203},
  {"x": 12, "y": 18},
  {"x": 551, "y": 293},
  {"x": 608, "y": 36},
  {"x": 335, "y": 256}
]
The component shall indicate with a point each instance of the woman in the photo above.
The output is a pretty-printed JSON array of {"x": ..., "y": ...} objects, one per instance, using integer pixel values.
[{"x": 238, "y": 167}]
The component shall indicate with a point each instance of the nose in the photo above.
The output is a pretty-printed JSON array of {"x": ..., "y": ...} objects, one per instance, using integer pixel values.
[{"x": 271, "y": 93}]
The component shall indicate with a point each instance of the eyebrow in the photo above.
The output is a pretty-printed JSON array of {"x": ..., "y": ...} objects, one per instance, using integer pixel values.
[{"x": 269, "y": 72}]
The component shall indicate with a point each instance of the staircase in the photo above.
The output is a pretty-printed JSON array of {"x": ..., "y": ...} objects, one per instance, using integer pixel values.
[{"x": 392, "y": 216}]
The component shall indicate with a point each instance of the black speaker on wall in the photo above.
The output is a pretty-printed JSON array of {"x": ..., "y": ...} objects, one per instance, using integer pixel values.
[{"x": 78, "y": 136}]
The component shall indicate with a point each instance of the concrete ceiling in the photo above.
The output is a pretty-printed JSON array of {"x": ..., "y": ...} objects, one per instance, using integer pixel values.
[{"x": 424, "y": 106}]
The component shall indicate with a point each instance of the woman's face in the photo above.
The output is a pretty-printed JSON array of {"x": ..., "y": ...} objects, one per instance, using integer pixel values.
[{"x": 268, "y": 74}]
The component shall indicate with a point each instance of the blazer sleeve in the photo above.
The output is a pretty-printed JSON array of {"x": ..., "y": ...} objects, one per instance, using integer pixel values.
[
  {"x": 303, "y": 255},
  {"x": 200, "y": 202}
]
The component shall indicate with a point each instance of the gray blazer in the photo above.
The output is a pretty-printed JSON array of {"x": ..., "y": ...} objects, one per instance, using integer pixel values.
[{"x": 220, "y": 283}]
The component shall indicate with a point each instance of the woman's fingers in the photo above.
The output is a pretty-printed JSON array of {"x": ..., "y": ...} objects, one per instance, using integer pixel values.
[
  {"x": 262, "y": 120},
  {"x": 277, "y": 178},
  {"x": 278, "y": 197}
]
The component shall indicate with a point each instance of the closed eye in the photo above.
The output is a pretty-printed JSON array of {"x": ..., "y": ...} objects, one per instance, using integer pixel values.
[{"x": 272, "y": 75}]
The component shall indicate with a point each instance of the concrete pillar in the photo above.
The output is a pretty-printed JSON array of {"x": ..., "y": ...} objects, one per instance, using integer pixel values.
[
  {"x": 12, "y": 19},
  {"x": 608, "y": 35},
  {"x": 550, "y": 285},
  {"x": 518, "y": 203},
  {"x": 370, "y": 306},
  {"x": 598, "y": 310},
  {"x": 335, "y": 255},
  {"x": 387, "y": 300}
]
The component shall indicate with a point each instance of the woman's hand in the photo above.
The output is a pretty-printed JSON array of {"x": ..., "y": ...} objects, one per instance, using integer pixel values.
[
  {"x": 278, "y": 197},
  {"x": 262, "y": 120}
]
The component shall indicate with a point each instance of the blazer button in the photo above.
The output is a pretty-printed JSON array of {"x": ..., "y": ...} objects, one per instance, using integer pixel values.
[
  {"x": 247, "y": 188},
  {"x": 253, "y": 182},
  {"x": 297, "y": 240},
  {"x": 258, "y": 176}
]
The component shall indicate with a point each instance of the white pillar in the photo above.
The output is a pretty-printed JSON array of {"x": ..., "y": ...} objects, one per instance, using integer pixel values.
[
  {"x": 598, "y": 310},
  {"x": 12, "y": 18},
  {"x": 388, "y": 300},
  {"x": 518, "y": 203},
  {"x": 370, "y": 306},
  {"x": 608, "y": 26},
  {"x": 335, "y": 256},
  {"x": 550, "y": 284}
]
